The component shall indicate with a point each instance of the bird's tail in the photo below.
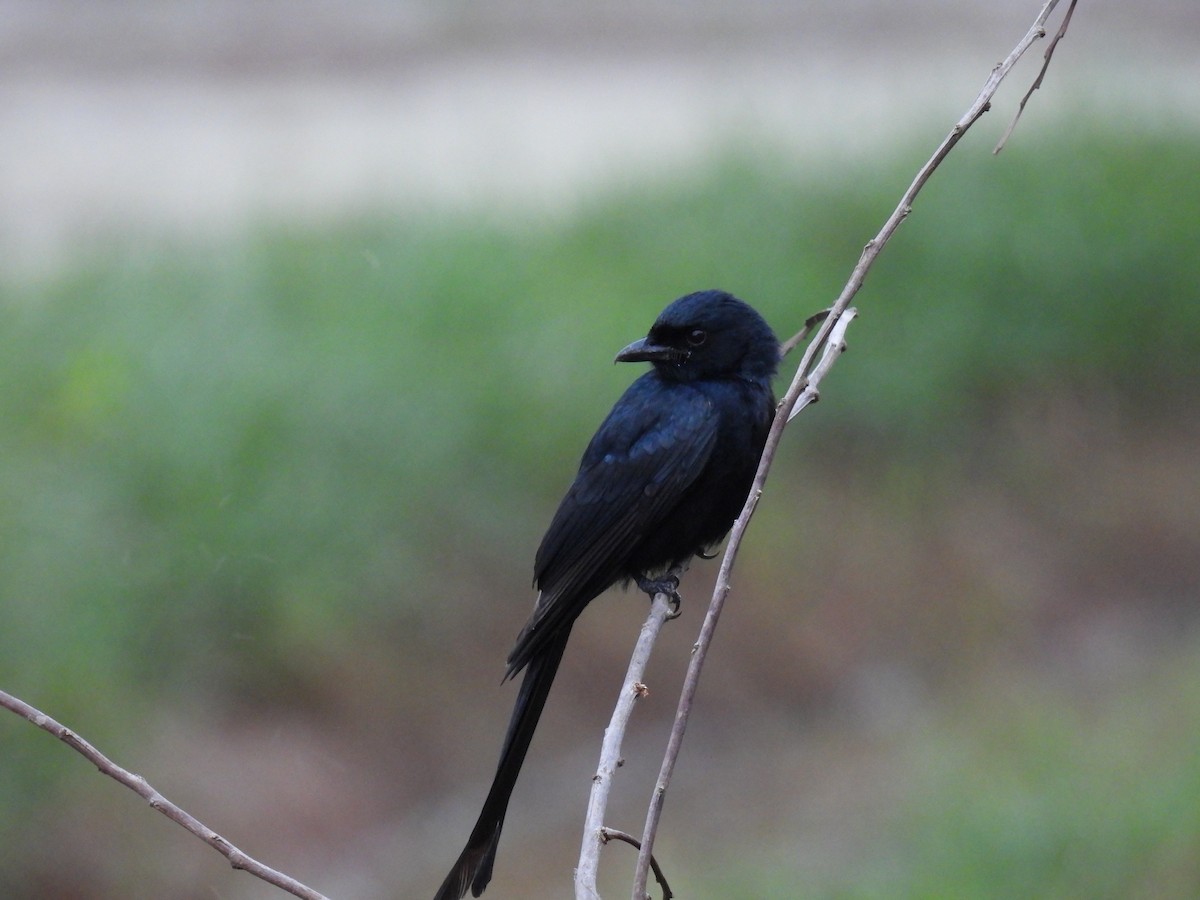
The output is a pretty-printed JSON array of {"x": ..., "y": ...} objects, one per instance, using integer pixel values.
[{"x": 473, "y": 869}]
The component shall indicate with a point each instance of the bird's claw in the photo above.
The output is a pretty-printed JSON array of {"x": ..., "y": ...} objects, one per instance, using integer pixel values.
[{"x": 669, "y": 585}]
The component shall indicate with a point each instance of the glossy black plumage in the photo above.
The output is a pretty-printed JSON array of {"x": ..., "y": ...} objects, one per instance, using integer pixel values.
[{"x": 662, "y": 480}]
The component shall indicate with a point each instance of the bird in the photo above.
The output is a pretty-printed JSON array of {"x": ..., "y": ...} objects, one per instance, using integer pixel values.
[{"x": 662, "y": 481}]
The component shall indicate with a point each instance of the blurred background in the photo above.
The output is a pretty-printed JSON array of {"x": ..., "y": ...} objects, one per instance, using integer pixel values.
[{"x": 307, "y": 311}]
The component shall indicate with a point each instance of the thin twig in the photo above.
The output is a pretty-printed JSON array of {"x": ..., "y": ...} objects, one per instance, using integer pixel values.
[
  {"x": 800, "y": 383},
  {"x": 799, "y": 337},
  {"x": 611, "y": 834},
  {"x": 831, "y": 349},
  {"x": 143, "y": 789},
  {"x": 1062, "y": 30},
  {"x": 632, "y": 689}
]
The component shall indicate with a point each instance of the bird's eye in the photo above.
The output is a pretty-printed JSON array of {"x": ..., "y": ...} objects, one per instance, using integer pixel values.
[{"x": 697, "y": 337}]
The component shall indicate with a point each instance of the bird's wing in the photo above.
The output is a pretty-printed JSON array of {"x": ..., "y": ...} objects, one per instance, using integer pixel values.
[{"x": 641, "y": 461}]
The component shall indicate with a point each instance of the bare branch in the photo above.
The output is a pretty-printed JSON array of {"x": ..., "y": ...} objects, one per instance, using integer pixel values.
[
  {"x": 143, "y": 789},
  {"x": 802, "y": 384},
  {"x": 1062, "y": 30},
  {"x": 632, "y": 689}
]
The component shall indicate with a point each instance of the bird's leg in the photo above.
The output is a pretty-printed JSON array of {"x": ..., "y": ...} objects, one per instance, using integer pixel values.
[{"x": 665, "y": 584}]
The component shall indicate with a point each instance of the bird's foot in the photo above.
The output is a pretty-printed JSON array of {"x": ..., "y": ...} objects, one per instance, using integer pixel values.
[{"x": 667, "y": 584}]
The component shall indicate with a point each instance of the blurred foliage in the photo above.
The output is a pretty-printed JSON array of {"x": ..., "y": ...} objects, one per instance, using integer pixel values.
[
  {"x": 222, "y": 465},
  {"x": 1053, "y": 789}
]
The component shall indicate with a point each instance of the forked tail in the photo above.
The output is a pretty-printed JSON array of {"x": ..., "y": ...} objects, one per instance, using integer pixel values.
[{"x": 473, "y": 869}]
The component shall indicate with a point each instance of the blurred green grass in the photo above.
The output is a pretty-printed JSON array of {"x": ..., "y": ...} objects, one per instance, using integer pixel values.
[
  {"x": 223, "y": 465},
  {"x": 1055, "y": 788}
]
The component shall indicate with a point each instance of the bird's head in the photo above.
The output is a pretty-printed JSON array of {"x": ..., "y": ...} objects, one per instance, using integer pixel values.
[{"x": 709, "y": 334}]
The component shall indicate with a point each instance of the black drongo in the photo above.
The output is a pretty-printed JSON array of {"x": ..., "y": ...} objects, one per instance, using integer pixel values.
[{"x": 662, "y": 481}]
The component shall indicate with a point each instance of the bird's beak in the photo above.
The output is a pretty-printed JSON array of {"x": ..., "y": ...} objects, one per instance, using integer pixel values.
[{"x": 645, "y": 350}]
